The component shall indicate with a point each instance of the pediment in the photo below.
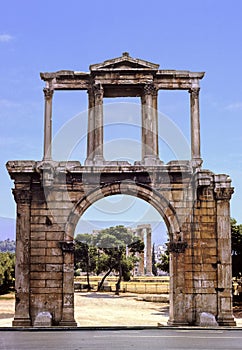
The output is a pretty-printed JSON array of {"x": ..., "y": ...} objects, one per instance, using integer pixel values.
[{"x": 125, "y": 62}]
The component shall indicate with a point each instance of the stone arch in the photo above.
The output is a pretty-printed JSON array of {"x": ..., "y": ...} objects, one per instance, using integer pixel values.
[{"x": 148, "y": 194}]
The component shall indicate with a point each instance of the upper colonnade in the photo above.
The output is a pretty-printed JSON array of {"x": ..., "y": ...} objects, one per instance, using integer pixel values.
[{"x": 124, "y": 77}]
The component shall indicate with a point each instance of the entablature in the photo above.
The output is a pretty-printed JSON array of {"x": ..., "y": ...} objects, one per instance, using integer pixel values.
[{"x": 122, "y": 71}]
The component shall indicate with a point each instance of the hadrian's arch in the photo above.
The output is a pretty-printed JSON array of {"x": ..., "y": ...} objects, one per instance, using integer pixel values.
[{"x": 52, "y": 195}]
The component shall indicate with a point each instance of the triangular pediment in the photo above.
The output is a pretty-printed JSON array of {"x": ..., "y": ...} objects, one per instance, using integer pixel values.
[{"x": 125, "y": 62}]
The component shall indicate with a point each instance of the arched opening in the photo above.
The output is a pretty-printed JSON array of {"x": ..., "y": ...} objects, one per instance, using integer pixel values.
[{"x": 164, "y": 213}]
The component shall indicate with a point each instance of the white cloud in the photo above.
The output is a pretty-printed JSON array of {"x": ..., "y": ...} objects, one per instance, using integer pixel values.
[
  {"x": 5, "y": 38},
  {"x": 235, "y": 106}
]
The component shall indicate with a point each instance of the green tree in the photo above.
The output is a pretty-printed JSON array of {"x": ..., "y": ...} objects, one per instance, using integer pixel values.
[
  {"x": 85, "y": 255},
  {"x": 236, "y": 244},
  {"x": 113, "y": 250},
  {"x": 7, "y": 264},
  {"x": 154, "y": 267},
  {"x": 114, "y": 242},
  {"x": 164, "y": 263}
]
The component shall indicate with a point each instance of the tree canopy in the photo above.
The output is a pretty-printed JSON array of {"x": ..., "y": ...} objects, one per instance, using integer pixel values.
[
  {"x": 110, "y": 250},
  {"x": 7, "y": 264},
  {"x": 236, "y": 237}
]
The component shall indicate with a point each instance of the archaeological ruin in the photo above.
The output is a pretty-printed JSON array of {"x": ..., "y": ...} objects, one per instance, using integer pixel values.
[{"x": 51, "y": 197}]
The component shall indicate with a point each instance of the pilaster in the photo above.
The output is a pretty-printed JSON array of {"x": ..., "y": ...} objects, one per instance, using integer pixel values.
[
  {"x": 68, "y": 284},
  {"x": 22, "y": 265},
  {"x": 223, "y": 193}
]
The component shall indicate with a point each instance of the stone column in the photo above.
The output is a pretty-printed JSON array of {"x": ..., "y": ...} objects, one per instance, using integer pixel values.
[
  {"x": 22, "y": 265},
  {"x": 149, "y": 124},
  {"x": 68, "y": 285},
  {"x": 195, "y": 127},
  {"x": 148, "y": 252},
  {"x": 98, "y": 121},
  {"x": 91, "y": 126},
  {"x": 48, "y": 124},
  {"x": 140, "y": 271},
  {"x": 224, "y": 265},
  {"x": 155, "y": 121}
]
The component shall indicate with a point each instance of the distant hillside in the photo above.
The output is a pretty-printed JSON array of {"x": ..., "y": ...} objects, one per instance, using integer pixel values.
[
  {"x": 7, "y": 246},
  {"x": 159, "y": 235}
]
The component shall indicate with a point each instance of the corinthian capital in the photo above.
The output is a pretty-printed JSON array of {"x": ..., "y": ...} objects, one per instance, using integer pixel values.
[
  {"x": 224, "y": 193},
  {"x": 22, "y": 196},
  {"x": 98, "y": 90},
  {"x": 48, "y": 93},
  {"x": 194, "y": 92},
  {"x": 149, "y": 89}
]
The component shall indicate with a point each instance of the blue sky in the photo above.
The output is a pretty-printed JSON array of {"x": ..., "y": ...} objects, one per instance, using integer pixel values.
[{"x": 202, "y": 35}]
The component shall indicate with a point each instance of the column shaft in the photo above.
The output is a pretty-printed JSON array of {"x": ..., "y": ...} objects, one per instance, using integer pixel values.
[
  {"x": 155, "y": 124},
  {"x": 48, "y": 124},
  {"x": 98, "y": 131},
  {"x": 195, "y": 127},
  {"x": 91, "y": 125},
  {"x": 148, "y": 253},
  {"x": 149, "y": 123}
]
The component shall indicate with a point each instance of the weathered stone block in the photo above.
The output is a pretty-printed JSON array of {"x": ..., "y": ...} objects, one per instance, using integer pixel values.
[
  {"x": 38, "y": 252},
  {"x": 53, "y": 252},
  {"x": 37, "y": 283},
  {"x": 54, "y": 267},
  {"x": 37, "y": 267},
  {"x": 45, "y": 290},
  {"x": 53, "y": 284},
  {"x": 55, "y": 236},
  {"x": 46, "y": 275},
  {"x": 38, "y": 244},
  {"x": 38, "y": 236}
]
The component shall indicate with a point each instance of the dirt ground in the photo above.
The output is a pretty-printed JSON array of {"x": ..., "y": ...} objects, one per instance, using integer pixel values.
[
  {"x": 107, "y": 309},
  {"x": 98, "y": 309}
]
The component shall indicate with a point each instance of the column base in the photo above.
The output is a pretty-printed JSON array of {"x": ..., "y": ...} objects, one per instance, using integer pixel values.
[
  {"x": 22, "y": 322},
  {"x": 68, "y": 324},
  {"x": 98, "y": 160},
  {"x": 150, "y": 160},
  {"x": 196, "y": 163},
  {"x": 226, "y": 321},
  {"x": 177, "y": 323}
]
